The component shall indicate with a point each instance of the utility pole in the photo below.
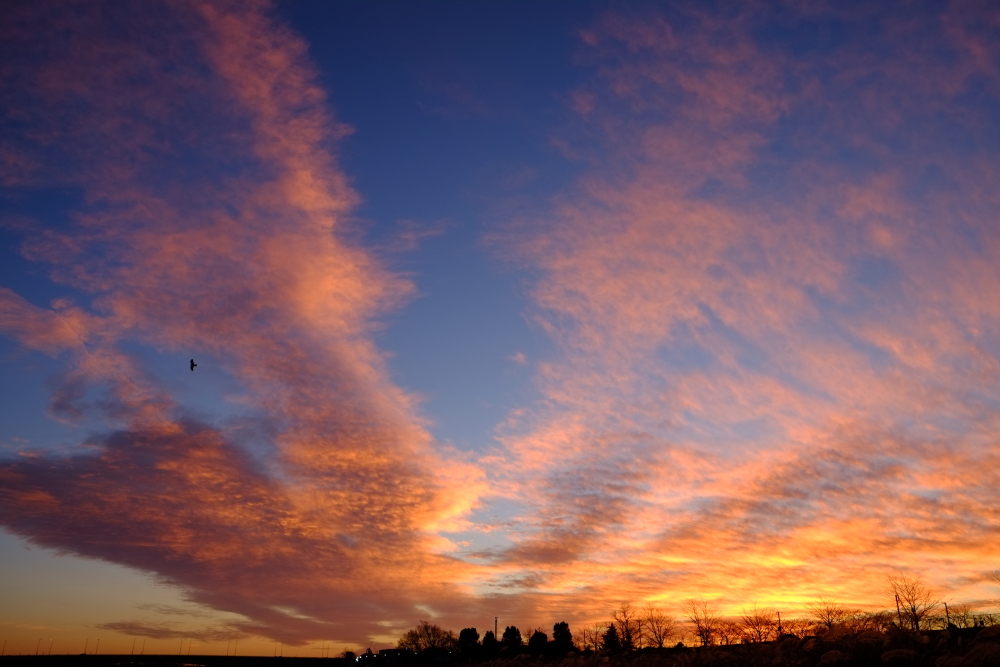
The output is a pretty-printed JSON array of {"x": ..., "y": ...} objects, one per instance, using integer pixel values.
[
  {"x": 50, "y": 646},
  {"x": 495, "y": 627},
  {"x": 133, "y": 646},
  {"x": 779, "y": 624},
  {"x": 98, "y": 647},
  {"x": 899, "y": 614},
  {"x": 86, "y": 645},
  {"x": 37, "y": 645},
  {"x": 946, "y": 614}
]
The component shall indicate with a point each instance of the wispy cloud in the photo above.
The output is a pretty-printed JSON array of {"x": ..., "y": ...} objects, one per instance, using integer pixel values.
[
  {"x": 170, "y": 610},
  {"x": 772, "y": 299},
  {"x": 209, "y": 227},
  {"x": 153, "y": 631}
]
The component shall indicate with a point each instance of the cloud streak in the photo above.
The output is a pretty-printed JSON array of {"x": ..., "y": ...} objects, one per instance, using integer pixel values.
[
  {"x": 772, "y": 296},
  {"x": 139, "y": 629},
  {"x": 211, "y": 226},
  {"x": 774, "y": 378}
]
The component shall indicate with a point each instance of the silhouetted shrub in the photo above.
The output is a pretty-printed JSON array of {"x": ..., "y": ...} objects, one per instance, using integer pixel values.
[
  {"x": 537, "y": 642},
  {"x": 512, "y": 636},
  {"x": 468, "y": 642},
  {"x": 610, "y": 641},
  {"x": 562, "y": 638}
]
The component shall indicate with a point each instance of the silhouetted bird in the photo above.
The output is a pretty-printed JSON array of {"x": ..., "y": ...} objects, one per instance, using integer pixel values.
[{"x": 193, "y": 364}]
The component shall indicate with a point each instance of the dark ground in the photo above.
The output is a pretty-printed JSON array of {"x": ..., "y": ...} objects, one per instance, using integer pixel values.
[
  {"x": 166, "y": 661},
  {"x": 972, "y": 647}
]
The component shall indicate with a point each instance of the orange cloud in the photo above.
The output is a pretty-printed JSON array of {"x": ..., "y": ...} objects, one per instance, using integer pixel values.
[
  {"x": 777, "y": 365},
  {"x": 776, "y": 360},
  {"x": 211, "y": 229}
]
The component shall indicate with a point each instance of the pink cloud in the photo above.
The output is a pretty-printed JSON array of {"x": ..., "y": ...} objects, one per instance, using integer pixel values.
[
  {"x": 337, "y": 524},
  {"x": 775, "y": 375},
  {"x": 766, "y": 387}
]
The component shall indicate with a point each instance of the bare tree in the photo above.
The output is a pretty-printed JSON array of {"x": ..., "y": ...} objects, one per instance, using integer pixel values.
[
  {"x": 993, "y": 576},
  {"x": 914, "y": 600},
  {"x": 962, "y": 616},
  {"x": 800, "y": 627},
  {"x": 660, "y": 628},
  {"x": 705, "y": 619},
  {"x": 592, "y": 637},
  {"x": 759, "y": 625},
  {"x": 729, "y": 632},
  {"x": 829, "y": 612},
  {"x": 628, "y": 623},
  {"x": 863, "y": 621}
]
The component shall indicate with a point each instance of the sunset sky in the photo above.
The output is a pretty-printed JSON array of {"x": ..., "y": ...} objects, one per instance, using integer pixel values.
[{"x": 500, "y": 309}]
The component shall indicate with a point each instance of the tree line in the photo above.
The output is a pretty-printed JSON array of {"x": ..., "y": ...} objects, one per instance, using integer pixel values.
[
  {"x": 914, "y": 607},
  {"x": 429, "y": 638}
]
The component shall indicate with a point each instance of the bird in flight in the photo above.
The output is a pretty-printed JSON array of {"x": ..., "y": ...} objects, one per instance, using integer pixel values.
[{"x": 193, "y": 364}]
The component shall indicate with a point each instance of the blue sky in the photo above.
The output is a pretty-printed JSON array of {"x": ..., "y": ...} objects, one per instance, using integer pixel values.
[
  {"x": 449, "y": 138},
  {"x": 499, "y": 309}
]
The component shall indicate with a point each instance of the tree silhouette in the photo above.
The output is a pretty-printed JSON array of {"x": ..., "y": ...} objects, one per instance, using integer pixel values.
[
  {"x": 870, "y": 620},
  {"x": 538, "y": 641},
  {"x": 593, "y": 636},
  {"x": 758, "y": 625},
  {"x": 799, "y": 627},
  {"x": 628, "y": 625},
  {"x": 962, "y": 616},
  {"x": 562, "y": 638},
  {"x": 728, "y": 633},
  {"x": 427, "y": 636},
  {"x": 660, "y": 628},
  {"x": 829, "y": 612},
  {"x": 490, "y": 644},
  {"x": 705, "y": 618},
  {"x": 468, "y": 641},
  {"x": 610, "y": 641},
  {"x": 913, "y": 599},
  {"x": 512, "y": 636}
]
